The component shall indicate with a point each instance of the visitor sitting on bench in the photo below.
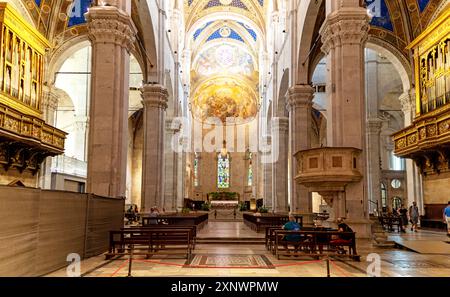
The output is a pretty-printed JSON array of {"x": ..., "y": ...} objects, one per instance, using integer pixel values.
[
  {"x": 154, "y": 212},
  {"x": 343, "y": 238},
  {"x": 292, "y": 225}
]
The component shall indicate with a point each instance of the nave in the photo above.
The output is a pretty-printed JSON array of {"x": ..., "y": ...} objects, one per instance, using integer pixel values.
[{"x": 243, "y": 260}]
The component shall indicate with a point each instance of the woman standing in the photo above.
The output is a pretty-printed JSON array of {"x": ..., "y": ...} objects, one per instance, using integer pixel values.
[{"x": 414, "y": 216}]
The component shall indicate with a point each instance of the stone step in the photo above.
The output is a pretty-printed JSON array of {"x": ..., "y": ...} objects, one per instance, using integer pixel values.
[
  {"x": 234, "y": 242},
  {"x": 230, "y": 240},
  {"x": 384, "y": 245}
]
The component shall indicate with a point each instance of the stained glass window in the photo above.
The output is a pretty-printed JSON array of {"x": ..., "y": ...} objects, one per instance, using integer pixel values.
[
  {"x": 196, "y": 183},
  {"x": 223, "y": 172},
  {"x": 250, "y": 171}
]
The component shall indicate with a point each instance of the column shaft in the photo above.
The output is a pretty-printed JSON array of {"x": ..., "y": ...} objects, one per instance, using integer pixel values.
[
  {"x": 112, "y": 34},
  {"x": 280, "y": 135},
  {"x": 155, "y": 102},
  {"x": 300, "y": 107}
]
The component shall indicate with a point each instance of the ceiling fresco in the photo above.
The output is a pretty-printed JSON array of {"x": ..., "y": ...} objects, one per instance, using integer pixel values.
[
  {"x": 224, "y": 70},
  {"x": 399, "y": 22},
  {"x": 224, "y": 97}
]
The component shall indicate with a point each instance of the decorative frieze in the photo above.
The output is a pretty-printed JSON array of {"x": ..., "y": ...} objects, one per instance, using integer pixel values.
[
  {"x": 29, "y": 129},
  {"x": 426, "y": 141}
]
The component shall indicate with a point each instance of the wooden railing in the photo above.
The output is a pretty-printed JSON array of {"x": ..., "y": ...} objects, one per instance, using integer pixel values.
[{"x": 30, "y": 129}]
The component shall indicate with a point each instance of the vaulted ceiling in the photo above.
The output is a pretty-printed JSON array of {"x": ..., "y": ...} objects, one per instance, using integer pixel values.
[{"x": 399, "y": 22}]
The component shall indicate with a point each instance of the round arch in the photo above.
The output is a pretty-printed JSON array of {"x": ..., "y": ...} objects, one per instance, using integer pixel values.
[
  {"x": 309, "y": 12},
  {"x": 400, "y": 63}
]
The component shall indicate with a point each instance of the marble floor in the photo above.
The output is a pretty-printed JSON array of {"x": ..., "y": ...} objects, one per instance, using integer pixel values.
[
  {"x": 254, "y": 260},
  {"x": 221, "y": 229}
]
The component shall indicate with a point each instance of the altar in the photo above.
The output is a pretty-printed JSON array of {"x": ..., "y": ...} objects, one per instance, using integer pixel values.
[
  {"x": 223, "y": 200},
  {"x": 224, "y": 204}
]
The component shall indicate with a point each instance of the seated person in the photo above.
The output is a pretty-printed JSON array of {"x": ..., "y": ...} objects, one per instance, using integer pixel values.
[
  {"x": 154, "y": 212},
  {"x": 344, "y": 238},
  {"x": 292, "y": 225}
]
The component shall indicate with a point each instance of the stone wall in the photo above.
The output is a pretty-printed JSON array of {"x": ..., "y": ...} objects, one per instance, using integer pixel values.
[
  {"x": 40, "y": 228},
  {"x": 208, "y": 174}
]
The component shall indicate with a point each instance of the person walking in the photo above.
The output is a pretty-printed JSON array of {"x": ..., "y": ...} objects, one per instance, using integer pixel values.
[
  {"x": 414, "y": 216},
  {"x": 447, "y": 218}
]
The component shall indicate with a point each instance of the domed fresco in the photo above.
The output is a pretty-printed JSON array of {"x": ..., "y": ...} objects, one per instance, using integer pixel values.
[
  {"x": 224, "y": 97},
  {"x": 224, "y": 76}
]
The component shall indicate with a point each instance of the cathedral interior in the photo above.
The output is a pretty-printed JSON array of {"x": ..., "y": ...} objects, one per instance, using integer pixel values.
[{"x": 229, "y": 118}]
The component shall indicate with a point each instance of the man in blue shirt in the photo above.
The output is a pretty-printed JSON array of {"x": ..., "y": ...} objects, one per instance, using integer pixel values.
[
  {"x": 447, "y": 218},
  {"x": 292, "y": 225}
]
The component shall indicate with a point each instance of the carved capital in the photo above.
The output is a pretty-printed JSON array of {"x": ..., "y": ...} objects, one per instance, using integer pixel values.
[
  {"x": 280, "y": 124},
  {"x": 374, "y": 125},
  {"x": 345, "y": 26},
  {"x": 407, "y": 100},
  {"x": 300, "y": 95},
  {"x": 108, "y": 24},
  {"x": 155, "y": 96}
]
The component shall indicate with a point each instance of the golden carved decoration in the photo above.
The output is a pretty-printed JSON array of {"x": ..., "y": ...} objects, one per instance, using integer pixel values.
[
  {"x": 444, "y": 126},
  {"x": 431, "y": 130},
  {"x": 432, "y": 65},
  {"x": 29, "y": 129},
  {"x": 412, "y": 139},
  {"x": 21, "y": 63}
]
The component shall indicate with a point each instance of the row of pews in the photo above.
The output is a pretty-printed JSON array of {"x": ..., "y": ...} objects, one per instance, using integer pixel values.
[
  {"x": 171, "y": 235},
  {"x": 315, "y": 242}
]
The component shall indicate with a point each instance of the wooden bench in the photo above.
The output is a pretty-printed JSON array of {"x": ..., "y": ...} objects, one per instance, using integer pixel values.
[
  {"x": 151, "y": 241},
  {"x": 389, "y": 223},
  {"x": 315, "y": 244},
  {"x": 261, "y": 222},
  {"x": 169, "y": 227},
  {"x": 270, "y": 235},
  {"x": 198, "y": 220}
]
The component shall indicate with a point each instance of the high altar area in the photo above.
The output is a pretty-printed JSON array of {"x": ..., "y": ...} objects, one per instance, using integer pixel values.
[{"x": 256, "y": 109}]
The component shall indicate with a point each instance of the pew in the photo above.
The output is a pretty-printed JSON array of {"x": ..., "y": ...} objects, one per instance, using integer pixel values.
[
  {"x": 169, "y": 227},
  {"x": 261, "y": 222},
  {"x": 315, "y": 244},
  {"x": 198, "y": 220},
  {"x": 151, "y": 241}
]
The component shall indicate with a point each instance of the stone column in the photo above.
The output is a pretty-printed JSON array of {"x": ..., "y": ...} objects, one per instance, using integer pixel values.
[
  {"x": 344, "y": 34},
  {"x": 171, "y": 168},
  {"x": 112, "y": 34},
  {"x": 280, "y": 135},
  {"x": 154, "y": 98},
  {"x": 373, "y": 130},
  {"x": 300, "y": 106},
  {"x": 413, "y": 177},
  {"x": 267, "y": 175}
]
